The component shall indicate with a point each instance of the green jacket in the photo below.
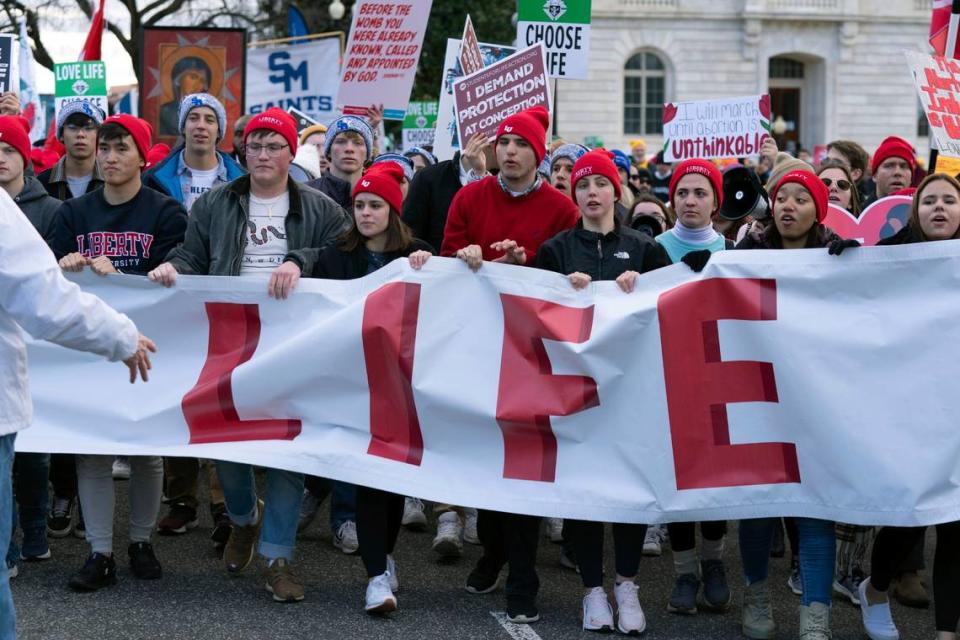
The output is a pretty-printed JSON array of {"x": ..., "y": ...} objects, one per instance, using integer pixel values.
[{"x": 214, "y": 242}]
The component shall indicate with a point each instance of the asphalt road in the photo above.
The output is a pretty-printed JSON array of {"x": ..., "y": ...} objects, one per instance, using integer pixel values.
[{"x": 196, "y": 599}]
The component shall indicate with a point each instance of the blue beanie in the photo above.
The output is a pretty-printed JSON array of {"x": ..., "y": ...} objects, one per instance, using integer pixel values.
[
  {"x": 84, "y": 107},
  {"x": 570, "y": 151},
  {"x": 344, "y": 124},
  {"x": 420, "y": 151},
  {"x": 404, "y": 162},
  {"x": 544, "y": 168},
  {"x": 195, "y": 100},
  {"x": 621, "y": 160}
]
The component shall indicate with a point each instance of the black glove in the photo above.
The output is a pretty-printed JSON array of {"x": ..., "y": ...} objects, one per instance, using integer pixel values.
[
  {"x": 697, "y": 260},
  {"x": 837, "y": 246}
]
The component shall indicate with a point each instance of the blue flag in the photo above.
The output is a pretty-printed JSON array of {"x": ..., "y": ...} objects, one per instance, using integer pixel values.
[{"x": 296, "y": 24}]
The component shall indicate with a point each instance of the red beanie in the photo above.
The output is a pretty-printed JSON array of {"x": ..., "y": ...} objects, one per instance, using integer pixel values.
[
  {"x": 383, "y": 180},
  {"x": 704, "y": 168},
  {"x": 531, "y": 125},
  {"x": 156, "y": 154},
  {"x": 15, "y": 131},
  {"x": 278, "y": 121},
  {"x": 812, "y": 183},
  {"x": 597, "y": 162},
  {"x": 139, "y": 130},
  {"x": 893, "y": 147}
]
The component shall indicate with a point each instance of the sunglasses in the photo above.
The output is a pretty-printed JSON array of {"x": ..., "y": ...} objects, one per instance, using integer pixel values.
[{"x": 843, "y": 185}]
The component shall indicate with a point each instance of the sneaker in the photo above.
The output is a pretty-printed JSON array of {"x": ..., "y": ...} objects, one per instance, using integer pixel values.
[
  {"x": 221, "y": 526},
  {"x": 238, "y": 552},
  {"x": 716, "y": 593},
  {"x": 794, "y": 581},
  {"x": 522, "y": 609},
  {"x": 910, "y": 592},
  {"x": 121, "y": 468},
  {"x": 282, "y": 582},
  {"x": 630, "y": 618},
  {"x": 380, "y": 598},
  {"x": 414, "y": 518},
  {"x": 757, "y": 613},
  {"x": 99, "y": 571},
  {"x": 35, "y": 546},
  {"x": 80, "y": 528},
  {"x": 58, "y": 520},
  {"x": 848, "y": 586},
  {"x": 178, "y": 520},
  {"x": 597, "y": 612},
  {"x": 877, "y": 619},
  {"x": 13, "y": 570},
  {"x": 568, "y": 559},
  {"x": 309, "y": 508},
  {"x": 684, "y": 596},
  {"x": 392, "y": 573},
  {"x": 482, "y": 581},
  {"x": 653, "y": 541},
  {"x": 470, "y": 526},
  {"x": 554, "y": 530},
  {"x": 346, "y": 538},
  {"x": 448, "y": 543},
  {"x": 815, "y": 622},
  {"x": 143, "y": 562}
]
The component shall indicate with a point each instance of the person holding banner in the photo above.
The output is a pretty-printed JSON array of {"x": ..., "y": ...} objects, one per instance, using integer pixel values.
[
  {"x": 623, "y": 255},
  {"x": 77, "y": 172}
]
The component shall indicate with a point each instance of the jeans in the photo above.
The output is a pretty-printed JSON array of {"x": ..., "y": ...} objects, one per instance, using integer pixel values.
[
  {"x": 343, "y": 499},
  {"x": 818, "y": 545},
  {"x": 30, "y": 472},
  {"x": 8, "y": 619},
  {"x": 281, "y": 512}
]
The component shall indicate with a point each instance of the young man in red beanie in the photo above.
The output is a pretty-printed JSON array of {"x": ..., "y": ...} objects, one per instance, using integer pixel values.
[
  {"x": 892, "y": 167},
  {"x": 274, "y": 216},
  {"x": 505, "y": 218},
  {"x": 123, "y": 227},
  {"x": 26, "y": 191}
]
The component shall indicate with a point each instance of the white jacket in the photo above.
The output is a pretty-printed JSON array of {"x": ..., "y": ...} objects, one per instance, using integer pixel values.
[{"x": 35, "y": 295}]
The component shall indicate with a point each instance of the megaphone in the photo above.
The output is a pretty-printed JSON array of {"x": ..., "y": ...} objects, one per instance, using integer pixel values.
[{"x": 743, "y": 195}]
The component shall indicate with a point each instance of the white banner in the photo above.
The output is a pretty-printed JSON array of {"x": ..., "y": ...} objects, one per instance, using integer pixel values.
[
  {"x": 774, "y": 383},
  {"x": 302, "y": 76}
]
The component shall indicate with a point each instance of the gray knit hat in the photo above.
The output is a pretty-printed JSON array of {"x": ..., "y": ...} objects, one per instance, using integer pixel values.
[
  {"x": 84, "y": 107},
  {"x": 402, "y": 161},
  {"x": 570, "y": 151},
  {"x": 195, "y": 100},
  {"x": 783, "y": 164},
  {"x": 344, "y": 124}
]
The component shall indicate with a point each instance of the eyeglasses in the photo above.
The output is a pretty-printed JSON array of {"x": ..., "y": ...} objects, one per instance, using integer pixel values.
[
  {"x": 86, "y": 128},
  {"x": 843, "y": 185},
  {"x": 273, "y": 150}
]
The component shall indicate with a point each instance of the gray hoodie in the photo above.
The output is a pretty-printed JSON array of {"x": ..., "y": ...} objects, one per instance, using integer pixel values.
[{"x": 38, "y": 205}]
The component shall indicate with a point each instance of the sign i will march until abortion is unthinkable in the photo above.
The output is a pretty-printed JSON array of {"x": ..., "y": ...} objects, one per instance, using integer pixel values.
[{"x": 725, "y": 128}]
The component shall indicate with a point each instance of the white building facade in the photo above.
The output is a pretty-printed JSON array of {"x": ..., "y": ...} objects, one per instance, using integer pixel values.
[{"x": 834, "y": 68}]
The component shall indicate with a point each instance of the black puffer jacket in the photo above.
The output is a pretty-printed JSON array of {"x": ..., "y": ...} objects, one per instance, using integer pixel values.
[
  {"x": 601, "y": 256},
  {"x": 336, "y": 264},
  {"x": 761, "y": 239},
  {"x": 905, "y": 236}
]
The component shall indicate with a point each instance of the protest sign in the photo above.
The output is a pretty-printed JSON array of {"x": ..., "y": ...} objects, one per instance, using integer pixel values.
[
  {"x": 948, "y": 165},
  {"x": 81, "y": 81},
  {"x": 9, "y": 63},
  {"x": 485, "y": 99},
  {"x": 419, "y": 125},
  {"x": 563, "y": 26},
  {"x": 726, "y": 128},
  {"x": 881, "y": 220},
  {"x": 471, "y": 58},
  {"x": 544, "y": 398},
  {"x": 446, "y": 141},
  {"x": 938, "y": 84},
  {"x": 303, "y": 120},
  {"x": 382, "y": 56},
  {"x": 301, "y": 76}
]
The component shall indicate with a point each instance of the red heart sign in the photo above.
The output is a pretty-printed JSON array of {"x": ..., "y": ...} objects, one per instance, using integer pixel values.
[
  {"x": 879, "y": 221},
  {"x": 669, "y": 112}
]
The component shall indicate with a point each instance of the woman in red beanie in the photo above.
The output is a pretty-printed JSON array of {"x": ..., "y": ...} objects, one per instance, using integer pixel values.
[
  {"x": 601, "y": 248},
  {"x": 800, "y": 203},
  {"x": 376, "y": 238}
]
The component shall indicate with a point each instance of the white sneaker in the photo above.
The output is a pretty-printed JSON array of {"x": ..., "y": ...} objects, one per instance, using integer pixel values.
[
  {"x": 449, "y": 531},
  {"x": 380, "y": 598},
  {"x": 877, "y": 620},
  {"x": 470, "y": 526},
  {"x": 554, "y": 530},
  {"x": 392, "y": 574},
  {"x": 630, "y": 618},
  {"x": 653, "y": 541},
  {"x": 13, "y": 572},
  {"x": 121, "y": 468},
  {"x": 345, "y": 538},
  {"x": 413, "y": 516},
  {"x": 597, "y": 612}
]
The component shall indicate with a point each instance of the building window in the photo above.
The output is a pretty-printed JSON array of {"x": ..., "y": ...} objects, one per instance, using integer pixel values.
[
  {"x": 644, "y": 92},
  {"x": 785, "y": 68},
  {"x": 923, "y": 125}
]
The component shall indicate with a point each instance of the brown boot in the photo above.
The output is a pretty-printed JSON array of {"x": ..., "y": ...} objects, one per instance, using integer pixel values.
[
  {"x": 239, "y": 550},
  {"x": 910, "y": 592}
]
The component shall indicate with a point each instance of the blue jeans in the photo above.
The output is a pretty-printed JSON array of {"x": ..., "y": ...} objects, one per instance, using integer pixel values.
[
  {"x": 282, "y": 511},
  {"x": 343, "y": 503},
  {"x": 31, "y": 471},
  {"x": 818, "y": 548},
  {"x": 8, "y": 618}
]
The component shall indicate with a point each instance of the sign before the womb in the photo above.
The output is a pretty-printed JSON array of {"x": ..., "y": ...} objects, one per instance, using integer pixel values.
[
  {"x": 485, "y": 99},
  {"x": 727, "y": 128}
]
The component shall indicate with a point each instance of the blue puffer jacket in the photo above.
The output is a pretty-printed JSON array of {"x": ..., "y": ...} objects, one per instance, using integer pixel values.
[{"x": 164, "y": 178}]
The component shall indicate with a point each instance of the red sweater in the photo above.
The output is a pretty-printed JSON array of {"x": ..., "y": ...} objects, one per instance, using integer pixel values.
[{"x": 481, "y": 213}]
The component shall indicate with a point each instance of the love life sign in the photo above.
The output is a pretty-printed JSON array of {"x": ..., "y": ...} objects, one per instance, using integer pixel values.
[
  {"x": 698, "y": 396},
  {"x": 81, "y": 81}
]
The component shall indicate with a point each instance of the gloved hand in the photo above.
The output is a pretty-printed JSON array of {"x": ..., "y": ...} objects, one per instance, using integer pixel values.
[
  {"x": 697, "y": 260},
  {"x": 837, "y": 246}
]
